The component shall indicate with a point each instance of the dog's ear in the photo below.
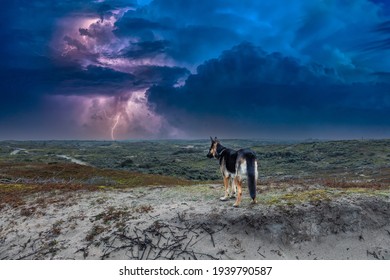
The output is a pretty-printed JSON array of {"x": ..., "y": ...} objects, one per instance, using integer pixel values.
[
  {"x": 216, "y": 140},
  {"x": 211, "y": 138}
]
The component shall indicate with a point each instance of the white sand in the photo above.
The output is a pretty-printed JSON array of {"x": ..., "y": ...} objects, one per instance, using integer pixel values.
[{"x": 189, "y": 223}]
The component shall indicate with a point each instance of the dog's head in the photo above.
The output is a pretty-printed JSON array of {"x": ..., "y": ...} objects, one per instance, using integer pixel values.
[{"x": 213, "y": 148}]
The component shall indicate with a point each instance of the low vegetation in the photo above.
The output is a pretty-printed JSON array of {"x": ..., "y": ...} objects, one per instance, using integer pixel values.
[{"x": 45, "y": 166}]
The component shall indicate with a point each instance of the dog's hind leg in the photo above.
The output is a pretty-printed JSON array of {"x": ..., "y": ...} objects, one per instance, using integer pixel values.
[
  {"x": 233, "y": 188},
  {"x": 238, "y": 183},
  {"x": 226, "y": 184}
]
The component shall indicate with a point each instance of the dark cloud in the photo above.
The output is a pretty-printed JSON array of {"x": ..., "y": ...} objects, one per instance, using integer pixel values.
[
  {"x": 384, "y": 43},
  {"x": 321, "y": 63},
  {"x": 92, "y": 80},
  {"x": 159, "y": 75},
  {"x": 86, "y": 32},
  {"x": 193, "y": 42},
  {"x": 194, "y": 30},
  {"x": 248, "y": 71},
  {"x": 130, "y": 25},
  {"x": 25, "y": 89},
  {"x": 200, "y": 30},
  {"x": 383, "y": 27},
  {"x": 75, "y": 43},
  {"x": 382, "y": 77},
  {"x": 134, "y": 24},
  {"x": 145, "y": 49},
  {"x": 384, "y": 4},
  {"x": 247, "y": 88}
]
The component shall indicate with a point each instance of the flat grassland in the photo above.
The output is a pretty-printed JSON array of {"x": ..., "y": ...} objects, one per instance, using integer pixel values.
[{"x": 160, "y": 200}]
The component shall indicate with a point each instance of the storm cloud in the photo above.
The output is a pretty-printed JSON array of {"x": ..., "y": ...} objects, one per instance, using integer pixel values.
[
  {"x": 249, "y": 91},
  {"x": 125, "y": 69}
]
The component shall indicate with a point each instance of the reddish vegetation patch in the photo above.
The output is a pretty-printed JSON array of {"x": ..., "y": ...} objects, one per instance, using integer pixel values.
[
  {"x": 18, "y": 180},
  {"x": 342, "y": 184},
  {"x": 71, "y": 171},
  {"x": 327, "y": 182},
  {"x": 15, "y": 194}
]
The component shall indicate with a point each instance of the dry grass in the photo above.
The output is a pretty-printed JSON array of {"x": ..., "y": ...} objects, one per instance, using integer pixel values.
[
  {"x": 95, "y": 231},
  {"x": 14, "y": 195},
  {"x": 19, "y": 180},
  {"x": 325, "y": 181},
  {"x": 69, "y": 172},
  {"x": 344, "y": 184},
  {"x": 113, "y": 214}
]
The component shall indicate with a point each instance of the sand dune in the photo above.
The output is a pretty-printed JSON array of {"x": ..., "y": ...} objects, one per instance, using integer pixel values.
[{"x": 191, "y": 223}]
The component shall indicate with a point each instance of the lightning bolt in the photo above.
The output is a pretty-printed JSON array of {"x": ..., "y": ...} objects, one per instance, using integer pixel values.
[{"x": 116, "y": 121}]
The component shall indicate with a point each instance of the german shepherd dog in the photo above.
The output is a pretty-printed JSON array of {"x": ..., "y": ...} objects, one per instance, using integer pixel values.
[{"x": 235, "y": 167}]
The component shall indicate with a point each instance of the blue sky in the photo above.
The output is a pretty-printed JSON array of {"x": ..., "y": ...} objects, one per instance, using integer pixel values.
[{"x": 189, "y": 69}]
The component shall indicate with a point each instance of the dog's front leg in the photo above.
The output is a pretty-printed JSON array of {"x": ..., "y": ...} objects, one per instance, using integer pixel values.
[{"x": 226, "y": 184}]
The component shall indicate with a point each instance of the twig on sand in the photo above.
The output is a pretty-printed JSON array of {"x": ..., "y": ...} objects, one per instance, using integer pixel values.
[
  {"x": 159, "y": 240},
  {"x": 374, "y": 254},
  {"x": 258, "y": 251},
  {"x": 209, "y": 231}
]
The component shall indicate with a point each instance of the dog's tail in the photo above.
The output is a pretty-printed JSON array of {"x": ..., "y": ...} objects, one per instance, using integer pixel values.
[{"x": 251, "y": 164}]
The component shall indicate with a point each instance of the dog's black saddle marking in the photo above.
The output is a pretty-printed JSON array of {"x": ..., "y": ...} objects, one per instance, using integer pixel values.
[{"x": 230, "y": 157}]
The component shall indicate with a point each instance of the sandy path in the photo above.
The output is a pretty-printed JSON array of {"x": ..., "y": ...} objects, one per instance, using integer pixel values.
[{"x": 191, "y": 223}]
